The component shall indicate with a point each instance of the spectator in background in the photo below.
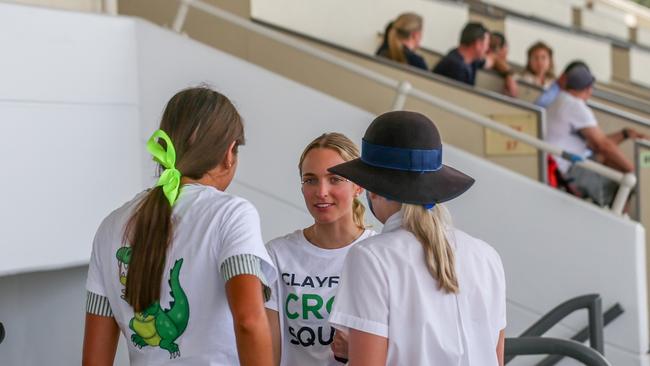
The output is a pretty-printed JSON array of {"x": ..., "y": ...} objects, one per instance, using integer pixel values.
[
  {"x": 549, "y": 95},
  {"x": 497, "y": 59},
  {"x": 572, "y": 126},
  {"x": 462, "y": 62},
  {"x": 402, "y": 39},
  {"x": 539, "y": 67}
]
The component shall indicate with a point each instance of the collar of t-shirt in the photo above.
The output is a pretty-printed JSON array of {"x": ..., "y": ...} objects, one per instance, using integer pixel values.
[
  {"x": 393, "y": 223},
  {"x": 322, "y": 252}
]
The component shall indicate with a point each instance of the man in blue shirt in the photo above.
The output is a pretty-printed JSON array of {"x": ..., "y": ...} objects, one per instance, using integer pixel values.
[{"x": 462, "y": 62}]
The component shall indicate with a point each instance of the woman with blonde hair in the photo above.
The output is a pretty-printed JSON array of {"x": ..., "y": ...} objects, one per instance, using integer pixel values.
[
  {"x": 539, "y": 67},
  {"x": 309, "y": 260},
  {"x": 181, "y": 268},
  {"x": 420, "y": 292},
  {"x": 403, "y": 37}
]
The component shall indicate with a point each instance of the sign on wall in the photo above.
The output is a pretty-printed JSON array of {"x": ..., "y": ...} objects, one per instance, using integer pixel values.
[
  {"x": 497, "y": 144},
  {"x": 644, "y": 159}
]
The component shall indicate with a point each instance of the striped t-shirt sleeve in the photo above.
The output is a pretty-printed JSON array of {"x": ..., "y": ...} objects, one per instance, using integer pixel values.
[
  {"x": 245, "y": 264},
  {"x": 98, "y": 305}
]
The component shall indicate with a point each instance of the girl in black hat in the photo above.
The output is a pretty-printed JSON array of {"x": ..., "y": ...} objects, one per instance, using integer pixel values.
[{"x": 421, "y": 292}]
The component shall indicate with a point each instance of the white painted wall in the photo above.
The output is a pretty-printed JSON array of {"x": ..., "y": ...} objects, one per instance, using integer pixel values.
[
  {"x": 69, "y": 117},
  {"x": 556, "y": 11},
  {"x": 605, "y": 19},
  {"x": 355, "y": 24},
  {"x": 541, "y": 249},
  {"x": 639, "y": 70},
  {"x": 643, "y": 36},
  {"x": 567, "y": 46}
]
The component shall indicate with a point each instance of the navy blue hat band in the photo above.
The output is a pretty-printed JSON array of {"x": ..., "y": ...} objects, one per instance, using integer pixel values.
[{"x": 413, "y": 160}]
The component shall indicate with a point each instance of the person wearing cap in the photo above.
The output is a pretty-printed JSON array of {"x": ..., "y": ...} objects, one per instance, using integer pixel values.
[
  {"x": 421, "y": 292},
  {"x": 549, "y": 94},
  {"x": 181, "y": 269},
  {"x": 572, "y": 126}
]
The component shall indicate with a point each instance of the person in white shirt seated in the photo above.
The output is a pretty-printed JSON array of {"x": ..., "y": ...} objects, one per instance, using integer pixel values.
[
  {"x": 572, "y": 126},
  {"x": 421, "y": 292},
  {"x": 181, "y": 269},
  {"x": 310, "y": 260}
]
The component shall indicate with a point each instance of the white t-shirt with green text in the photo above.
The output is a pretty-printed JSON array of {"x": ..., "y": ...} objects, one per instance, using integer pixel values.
[{"x": 308, "y": 277}]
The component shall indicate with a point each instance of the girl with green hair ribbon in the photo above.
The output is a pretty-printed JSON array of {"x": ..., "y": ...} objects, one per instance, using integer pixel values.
[{"x": 181, "y": 269}]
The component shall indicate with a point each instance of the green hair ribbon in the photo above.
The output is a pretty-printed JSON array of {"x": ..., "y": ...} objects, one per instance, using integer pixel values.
[{"x": 170, "y": 179}]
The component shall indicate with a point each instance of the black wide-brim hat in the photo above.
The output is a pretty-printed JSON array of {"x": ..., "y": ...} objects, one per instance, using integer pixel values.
[{"x": 401, "y": 159}]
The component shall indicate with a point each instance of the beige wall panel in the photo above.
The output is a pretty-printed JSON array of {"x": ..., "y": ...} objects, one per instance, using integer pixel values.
[
  {"x": 217, "y": 33},
  {"x": 163, "y": 13},
  {"x": 620, "y": 63}
]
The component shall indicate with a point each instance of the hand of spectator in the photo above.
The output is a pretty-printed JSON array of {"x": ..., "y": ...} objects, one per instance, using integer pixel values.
[
  {"x": 340, "y": 344},
  {"x": 511, "y": 88},
  {"x": 634, "y": 134}
]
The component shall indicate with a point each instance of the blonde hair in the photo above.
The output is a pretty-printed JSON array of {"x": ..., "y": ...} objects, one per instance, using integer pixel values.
[
  {"x": 429, "y": 226},
  {"x": 348, "y": 151},
  {"x": 402, "y": 29}
]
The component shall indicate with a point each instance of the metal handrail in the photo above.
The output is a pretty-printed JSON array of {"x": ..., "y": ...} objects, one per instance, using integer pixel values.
[
  {"x": 404, "y": 89},
  {"x": 583, "y": 335},
  {"x": 542, "y": 346},
  {"x": 592, "y": 302}
]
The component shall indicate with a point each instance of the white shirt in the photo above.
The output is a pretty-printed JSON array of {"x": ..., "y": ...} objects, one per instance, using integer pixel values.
[
  {"x": 387, "y": 290},
  {"x": 564, "y": 118},
  {"x": 209, "y": 227},
  {"x": 306, "y": 286}
]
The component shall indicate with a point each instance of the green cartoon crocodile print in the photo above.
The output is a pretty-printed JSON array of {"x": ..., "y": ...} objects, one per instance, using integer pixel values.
[{"x": 155, "y": 326}]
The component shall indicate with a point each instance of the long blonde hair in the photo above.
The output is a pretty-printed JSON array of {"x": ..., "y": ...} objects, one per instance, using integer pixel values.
[
  {"x": 402, "y": 29},
  {"x": 429, "y": 227},
  {"x": 348, "y": 151}
]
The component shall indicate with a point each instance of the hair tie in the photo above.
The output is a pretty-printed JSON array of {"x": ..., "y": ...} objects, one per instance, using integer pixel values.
[
  {"x": 170, "y": 179},
  {"x": 429, "y": 206}
]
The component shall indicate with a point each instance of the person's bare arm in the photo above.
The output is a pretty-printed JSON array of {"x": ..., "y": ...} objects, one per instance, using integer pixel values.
[
  {"x": 365, "y": 349},
  {"x": 254, "y": 344},
  {"x": 603, "y": 146},
  {"x": 274, "y": 324},
  {"x": 501, "y": 347},
  {"x": 511, "y": 88},
  {"x": 624, "y": 134},
  {"x": 339, "y": 345},
  {"x": 100, "y": 340}
]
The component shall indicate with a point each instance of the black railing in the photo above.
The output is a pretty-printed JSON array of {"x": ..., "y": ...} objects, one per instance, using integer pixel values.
[
  {"x": 563, "y": 347},
  {"x": 582, "y": 336},
  {"x": 2, "y": 332},
  {"x": 593, "y": 332}
]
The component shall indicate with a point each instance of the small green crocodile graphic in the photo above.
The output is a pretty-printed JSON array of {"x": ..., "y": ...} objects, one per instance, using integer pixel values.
[{"x": 155, "y": 326}]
